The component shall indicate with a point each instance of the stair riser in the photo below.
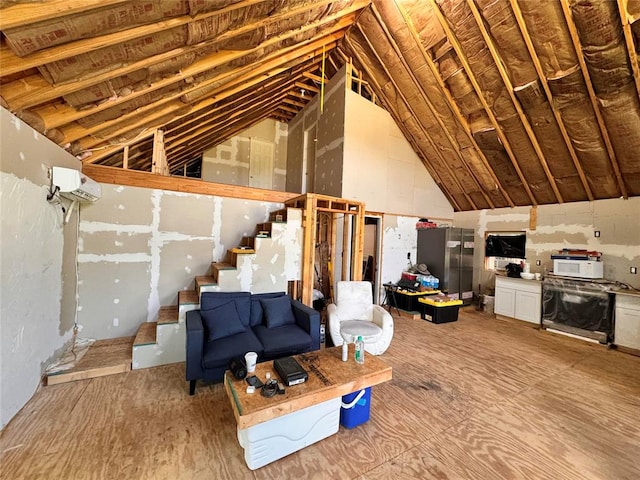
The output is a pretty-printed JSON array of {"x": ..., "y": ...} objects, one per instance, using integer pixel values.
[{"x": 169, "y": 348}]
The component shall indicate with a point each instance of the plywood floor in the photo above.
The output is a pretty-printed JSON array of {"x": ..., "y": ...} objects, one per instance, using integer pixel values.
[{"x": 479, "y": 398}]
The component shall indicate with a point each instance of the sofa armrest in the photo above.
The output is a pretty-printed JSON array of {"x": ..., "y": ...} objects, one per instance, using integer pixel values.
[
  {"x": 309, "y": 320},
  {"x": 195, "y": 344}
]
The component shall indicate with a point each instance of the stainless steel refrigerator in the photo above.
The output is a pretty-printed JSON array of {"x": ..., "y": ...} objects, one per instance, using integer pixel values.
[{"x": 448, "y": 254}]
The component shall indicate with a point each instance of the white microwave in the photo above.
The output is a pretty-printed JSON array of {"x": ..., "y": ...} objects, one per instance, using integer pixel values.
[{"x": 578, "y": 268}]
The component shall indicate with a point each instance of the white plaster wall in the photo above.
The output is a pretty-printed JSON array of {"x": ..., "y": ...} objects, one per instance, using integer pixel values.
[
  {"x": 380, "y": 167},
  {"x": 229, "y": 162},
  {"x": 36, "y": 306},
  {"x": 570, "y": 225},
  {"x": 139, "y": 247}
]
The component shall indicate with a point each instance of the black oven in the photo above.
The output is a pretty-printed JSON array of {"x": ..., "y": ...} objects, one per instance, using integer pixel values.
[{"x": 580, "y": 307}]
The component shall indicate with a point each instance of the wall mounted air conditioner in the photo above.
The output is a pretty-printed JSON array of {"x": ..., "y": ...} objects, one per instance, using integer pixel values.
[{"x": 74, "y": 185}]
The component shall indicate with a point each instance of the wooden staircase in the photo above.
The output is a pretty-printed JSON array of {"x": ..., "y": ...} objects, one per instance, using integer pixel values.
[{"x": 163, "y": 341}]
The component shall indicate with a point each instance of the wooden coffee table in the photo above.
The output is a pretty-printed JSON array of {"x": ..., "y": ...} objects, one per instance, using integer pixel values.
[{"x": 271, "y": 428}]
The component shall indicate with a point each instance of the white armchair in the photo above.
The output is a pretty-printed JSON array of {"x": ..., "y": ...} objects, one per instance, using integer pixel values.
[{"x": 355, "y": 312}]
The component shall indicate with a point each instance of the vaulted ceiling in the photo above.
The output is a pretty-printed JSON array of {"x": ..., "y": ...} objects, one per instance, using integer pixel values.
[{"x": 505, "y": 102}]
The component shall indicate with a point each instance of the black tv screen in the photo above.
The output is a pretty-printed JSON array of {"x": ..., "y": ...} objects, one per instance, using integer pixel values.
[{"x": 509, "y": 246}]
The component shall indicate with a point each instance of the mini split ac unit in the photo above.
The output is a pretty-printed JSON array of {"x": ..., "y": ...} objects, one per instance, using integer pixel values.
[{"x": 74, "y": 185}]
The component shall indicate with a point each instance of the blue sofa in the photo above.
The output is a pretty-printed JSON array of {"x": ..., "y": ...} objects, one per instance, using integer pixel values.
[{"x": 230, "y": 324}]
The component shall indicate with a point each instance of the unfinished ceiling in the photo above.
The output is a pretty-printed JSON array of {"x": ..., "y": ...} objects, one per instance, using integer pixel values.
[{"x": 506, "y": 102}]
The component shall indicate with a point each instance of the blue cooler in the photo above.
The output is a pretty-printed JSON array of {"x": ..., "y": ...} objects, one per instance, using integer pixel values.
[{"x": 355, "y": 408}]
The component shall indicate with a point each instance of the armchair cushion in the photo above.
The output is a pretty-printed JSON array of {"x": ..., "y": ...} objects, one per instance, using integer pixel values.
[
  {"x": 222, "y": 321},
  {"x": 283, "y": 340},
  {"x": 277, "y": 311},
  {"x": 218, "y": 352}
]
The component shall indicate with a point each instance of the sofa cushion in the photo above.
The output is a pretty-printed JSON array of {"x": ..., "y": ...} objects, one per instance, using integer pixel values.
[
  {"x": 220, "y": 352},
  {"x": 277, "y": 311},
  {"x": 222, "y": 321},
  {"x": 209, "y": 300},
  {"x": 256, "y": 306},
  {"x": 284, "y": 340}
]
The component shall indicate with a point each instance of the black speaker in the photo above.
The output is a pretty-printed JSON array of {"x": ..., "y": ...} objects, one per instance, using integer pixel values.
[{"x": 238, "y": 368}]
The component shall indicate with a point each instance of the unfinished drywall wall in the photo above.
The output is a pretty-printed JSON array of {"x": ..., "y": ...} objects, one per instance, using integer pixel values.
[
  {"x": 570, "y": 225},
  {"x": 230, "y": 161},
  {"x": 138, "y": 247},
  {"x": 320, "y": 133},
  {"x": 380, "y": 167},
  {"x": 37, "y": 263}
]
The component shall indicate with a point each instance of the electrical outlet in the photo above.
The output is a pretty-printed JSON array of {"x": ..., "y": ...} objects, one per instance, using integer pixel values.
[
  {"x": 596, "y": 233},
  {"x": 538, "y": 263},
  {"x": 633, "y": 270}
]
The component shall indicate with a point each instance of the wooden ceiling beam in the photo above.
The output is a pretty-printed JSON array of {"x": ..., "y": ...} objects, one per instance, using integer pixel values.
[
  {"x": 416, "y": 116},
  {"x": 27, "y": 13},
  {"x": 408, "y": 106},
  {"x": 34, "y": 90},
  {"x": 592, "y": 96},
  {"x": 227, "y": 114},
  {"x": 453, "y": 143},
  {"x": 412, "y": 141},
  {"x": 290, "y": 101},
  {"x": 11, "y": 63},
  {"x": 631, "y": 47},
  {"x": 476, "y": 86},
  {"x": 545, "y": 86},
  {"x": 229, "y": 128},
  {"x": 306, "y": 86},
  {"x": 172, "y": 103},
  {"x": 453, "y": 106},
  {"x": 509, "y": 87},
  {"x": 281, "y": 59},
  {"x": 311, "y": 76},
  {"x": 196, "y": 119}
]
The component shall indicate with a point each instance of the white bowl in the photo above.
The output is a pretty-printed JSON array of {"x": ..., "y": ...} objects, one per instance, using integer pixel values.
[{"x": 527, "y": 276}]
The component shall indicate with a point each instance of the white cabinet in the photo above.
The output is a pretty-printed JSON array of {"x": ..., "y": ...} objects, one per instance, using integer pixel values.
[
  {"x": 627, "y": 321},
  {"x": 518, "y": 298},
  {"x": 505, "y": 301}
]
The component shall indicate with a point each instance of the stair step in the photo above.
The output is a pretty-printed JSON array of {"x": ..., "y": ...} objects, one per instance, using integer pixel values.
[
  {"x": 188, "y": 297},
  {"x": 104, "y": 357},
  {"x": 278, "y": 216},
  {"x": 217, "y": 267},
  {"x": 264, "y": 229},
  {"x": 168, "y": 315},
  {"x": 146, "y": 334},
  {"x": 204, "y": 281},
  {"x": 248, "y": 242}
]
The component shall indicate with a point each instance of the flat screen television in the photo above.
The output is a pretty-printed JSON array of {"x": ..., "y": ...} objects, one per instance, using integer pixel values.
[{"x": 508, "y": 246}]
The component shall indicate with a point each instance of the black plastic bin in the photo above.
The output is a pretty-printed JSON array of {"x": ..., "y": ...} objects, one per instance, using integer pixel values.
[{"x": 439, "y": 312}]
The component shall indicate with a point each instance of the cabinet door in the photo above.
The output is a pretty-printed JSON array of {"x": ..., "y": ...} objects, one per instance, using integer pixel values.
[
  {"x": 627, "y": 330},
  {"x": 527, "y": 307},
  {"x": 505, "y": 301}
]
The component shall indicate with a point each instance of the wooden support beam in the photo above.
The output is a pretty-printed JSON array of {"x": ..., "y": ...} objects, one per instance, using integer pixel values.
[
  {"x": 509, "y": 88},
  {"x": 311, "y": 76},
  {"x": 307, "y": 87},
  {"x": 631, "y": 47},
  {"x": 545, "y": 86},
  {"x": 12, "y": 64},
  {"x": 437, "y": 115},
  {"x": 20, "y": 95},
  {"x": 592, "y": 95},
  {"x": 414, "y": 144},
  {"x": 451, "y": 102},
  {"x": 133, "y": 178},
  {"x": 476, "y": 86},
  {"x": 159, "y": 159},
  {"x": 427, "y": 136}
]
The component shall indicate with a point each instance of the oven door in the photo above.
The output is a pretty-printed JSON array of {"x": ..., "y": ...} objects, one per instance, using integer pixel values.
[{"x": 579, "y": 307}]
